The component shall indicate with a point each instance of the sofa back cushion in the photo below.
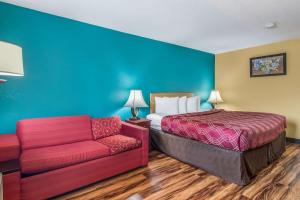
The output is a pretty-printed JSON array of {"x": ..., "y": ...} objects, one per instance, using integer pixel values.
[
  {"x": 43, "y": 132},
  {"x": 104, "y": 127}
]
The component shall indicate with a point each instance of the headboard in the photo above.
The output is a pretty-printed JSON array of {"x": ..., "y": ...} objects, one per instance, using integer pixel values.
[{"x": 166, "y": 94}]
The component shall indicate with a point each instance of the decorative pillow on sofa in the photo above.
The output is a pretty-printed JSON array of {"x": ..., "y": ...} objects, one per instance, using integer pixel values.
[{"x": 104, "y": 127}]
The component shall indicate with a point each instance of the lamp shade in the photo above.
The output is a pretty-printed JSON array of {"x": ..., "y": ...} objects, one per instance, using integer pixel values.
[
  {"x": 136, "y": 99},
  {"x": 215, "y": 97},
  {"x": 11, "y": 62}
]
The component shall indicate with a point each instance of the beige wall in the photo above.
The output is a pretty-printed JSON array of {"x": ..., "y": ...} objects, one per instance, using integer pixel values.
[{"x": 276, "y": 94}]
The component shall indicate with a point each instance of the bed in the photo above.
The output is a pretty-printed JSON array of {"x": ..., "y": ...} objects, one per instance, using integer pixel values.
[{"x": 235, "y": 159}]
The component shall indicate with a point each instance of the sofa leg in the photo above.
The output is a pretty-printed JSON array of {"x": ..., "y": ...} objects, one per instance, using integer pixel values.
[
  {"x": 145, "y": 160},
  {"x": 11, "y": 186}
]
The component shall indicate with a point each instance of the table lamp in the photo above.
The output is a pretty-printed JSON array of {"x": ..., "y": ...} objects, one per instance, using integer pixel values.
[
  {"x": 135, "y": 101},
  {"x": 215, "y": 98}
]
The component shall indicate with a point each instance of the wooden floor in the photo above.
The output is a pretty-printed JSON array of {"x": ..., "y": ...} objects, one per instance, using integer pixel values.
[{"x": 167, "y": 178}]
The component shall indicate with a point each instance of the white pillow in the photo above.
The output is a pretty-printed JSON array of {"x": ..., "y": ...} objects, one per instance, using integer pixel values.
[
  {"x": 167, "y": 105},
  {"x": 182, "y": 105},
  {"x": 193, "y": 104}
]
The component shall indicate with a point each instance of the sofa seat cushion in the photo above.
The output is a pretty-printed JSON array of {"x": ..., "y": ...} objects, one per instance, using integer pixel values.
[
  {"x": 49, "y": 158},
  {"x": 120, "y": 143}
]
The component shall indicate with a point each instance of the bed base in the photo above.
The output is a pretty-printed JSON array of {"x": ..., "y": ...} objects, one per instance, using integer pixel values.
[{"x": 232, "y": 166}]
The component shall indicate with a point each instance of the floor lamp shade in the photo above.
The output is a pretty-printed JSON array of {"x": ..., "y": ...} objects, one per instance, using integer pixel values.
[{"x": 11, "y": 61}]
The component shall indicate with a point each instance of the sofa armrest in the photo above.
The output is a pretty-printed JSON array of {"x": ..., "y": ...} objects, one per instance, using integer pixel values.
[
  {"x": 9, "y": 166},
  {"x": 9, "y": 147},
  {"x": 134, "y": 131},
  {"x": 11, "y": 180},
  {"x": 139, "y": 133}
]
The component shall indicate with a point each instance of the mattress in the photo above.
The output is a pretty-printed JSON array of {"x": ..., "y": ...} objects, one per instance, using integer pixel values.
[
  {"x": 234, "y": 130},
  {"x": 156, "y": 120}
]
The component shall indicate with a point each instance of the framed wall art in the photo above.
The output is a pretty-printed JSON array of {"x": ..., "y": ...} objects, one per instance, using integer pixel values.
[{"x": 271, "y": 65}]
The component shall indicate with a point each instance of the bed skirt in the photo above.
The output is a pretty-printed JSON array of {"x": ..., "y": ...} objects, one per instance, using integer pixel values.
[{"x": 232, "y": 166}]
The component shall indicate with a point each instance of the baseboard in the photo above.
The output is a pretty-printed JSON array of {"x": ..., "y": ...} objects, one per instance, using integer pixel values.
[{"x": 293, "y": 140}]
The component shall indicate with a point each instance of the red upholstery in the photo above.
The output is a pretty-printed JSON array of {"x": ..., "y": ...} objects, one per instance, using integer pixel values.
[
  {"x": 66, "y": 179},
  {"x": 49, "y": 158},
  {"x": 62, "y": 148},
  {"x": 120, "y": 143},
  {"x": 104, "y": 127},
  {"x": 12, "y": 186},
  {"x": 139, "y": 133},
  {"x": 42, "y": 132},
  {"x": 10, "y": 148}
]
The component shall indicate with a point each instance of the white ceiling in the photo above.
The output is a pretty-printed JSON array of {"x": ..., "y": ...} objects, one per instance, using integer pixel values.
[{"x": 209, "y": 25}]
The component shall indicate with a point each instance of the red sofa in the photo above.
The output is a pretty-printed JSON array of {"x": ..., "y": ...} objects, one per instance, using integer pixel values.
[{"x": 58, "y": 154}]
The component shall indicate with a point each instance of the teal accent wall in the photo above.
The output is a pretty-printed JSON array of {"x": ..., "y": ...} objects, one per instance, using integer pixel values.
[{"x": 73, "y": 68}]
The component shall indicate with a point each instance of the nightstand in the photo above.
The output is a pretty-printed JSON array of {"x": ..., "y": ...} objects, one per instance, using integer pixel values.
[
  {"x": 140, "y": 122},
  {"x": 143, "y": 123}
]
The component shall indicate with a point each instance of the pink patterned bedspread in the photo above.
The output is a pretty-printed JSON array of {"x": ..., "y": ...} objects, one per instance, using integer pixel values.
[{"x": 238, "y": 131}]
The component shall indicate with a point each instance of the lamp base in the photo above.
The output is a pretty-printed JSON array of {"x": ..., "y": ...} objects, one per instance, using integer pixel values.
[
  {"x": 213, "y": 105},
  {"x": 134, "y": 113}
]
